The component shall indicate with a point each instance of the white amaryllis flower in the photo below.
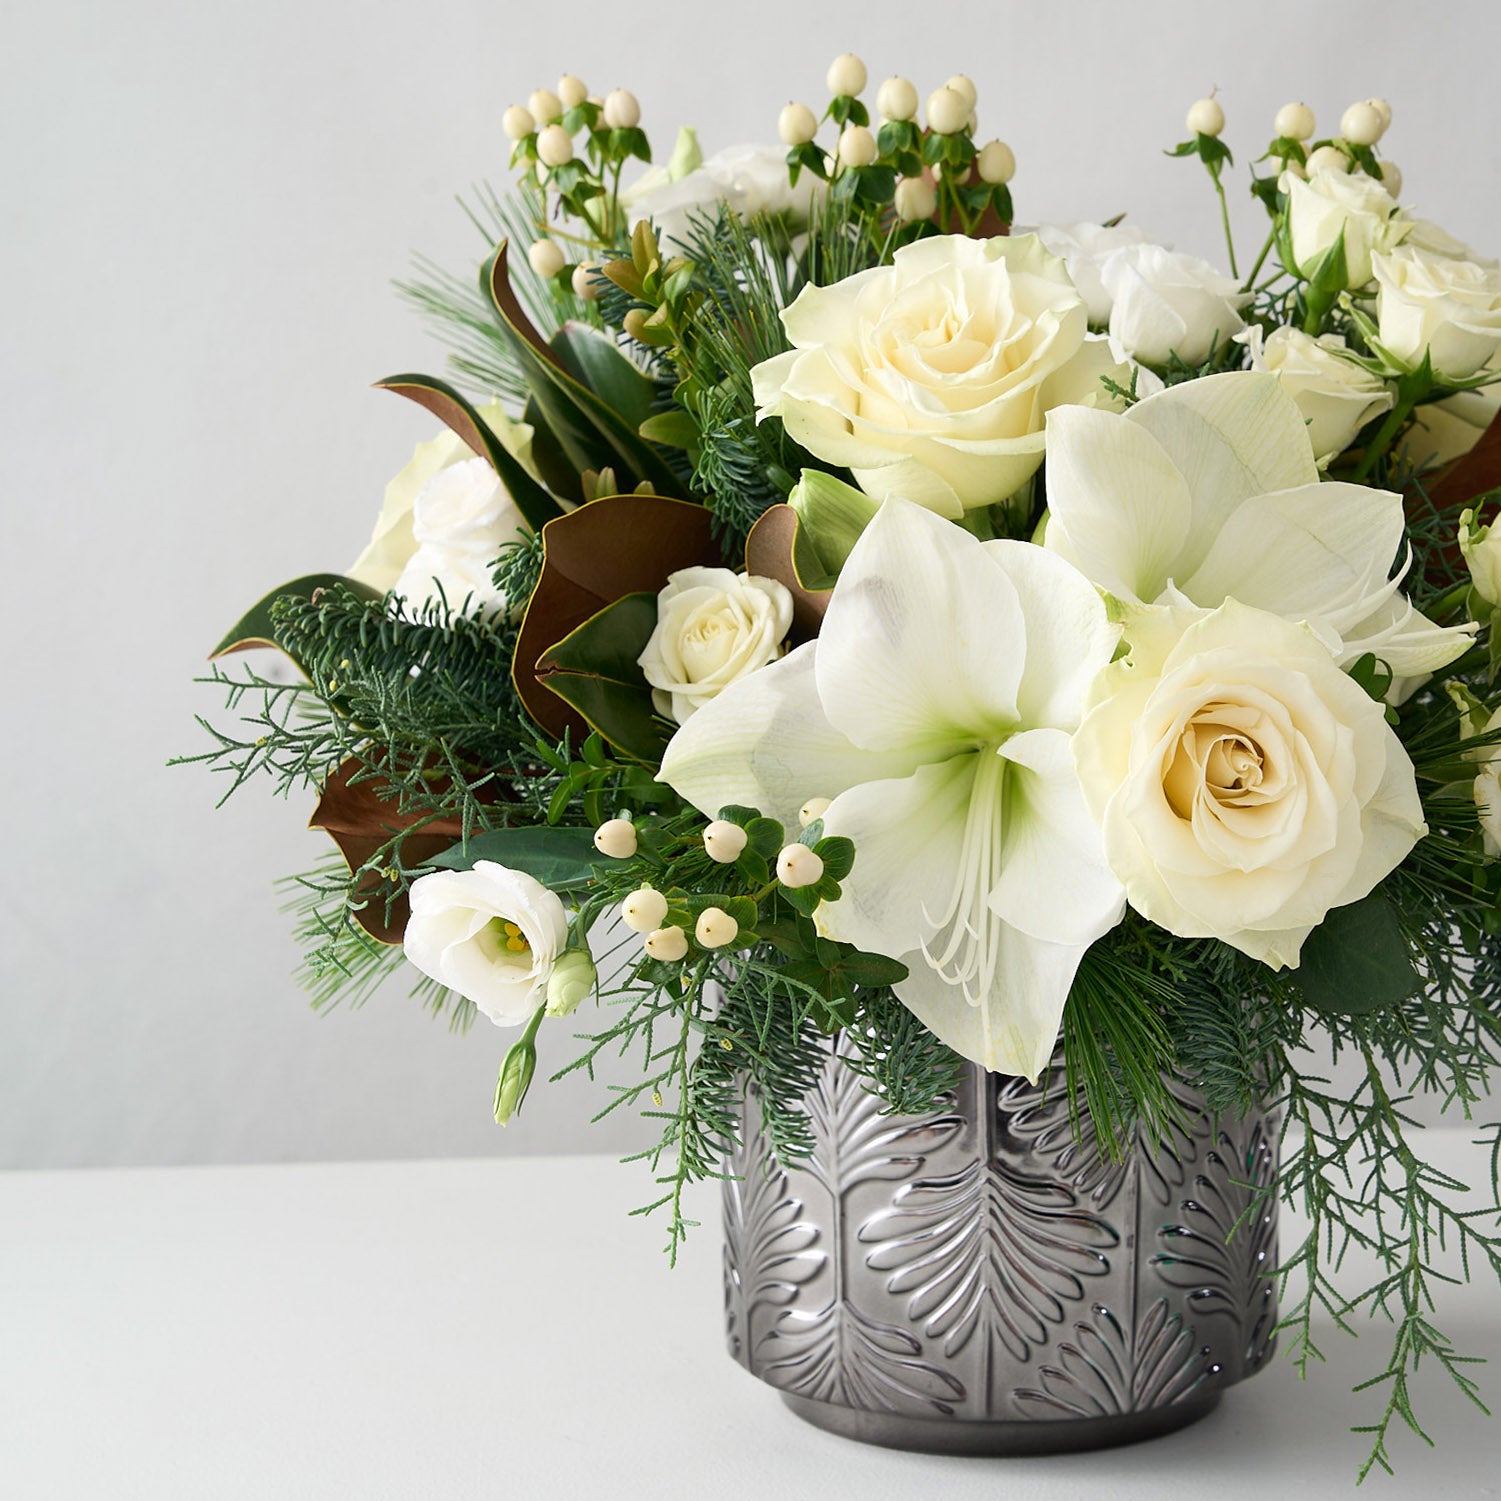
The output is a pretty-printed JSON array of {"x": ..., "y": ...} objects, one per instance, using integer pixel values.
[
  {"x": 935, "y": 710},
  {"x": 1331, "y": 202},
  {"x": 1246, "y": 786},
  {"x": 713, "y": 627},
  {"x": 930, "y": 377},
  {"x": 1433, "y": 305},
  {"x": 1208, "y": 491},
  {"x": 492, "y": 934},
  {"x": 1165, "y": 304},
  {"x": 1336, "y": 396},
  {"x": 1083, "y": 248}
]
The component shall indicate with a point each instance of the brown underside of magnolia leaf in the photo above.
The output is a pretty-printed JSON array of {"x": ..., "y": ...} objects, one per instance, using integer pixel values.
[
  {"x": 361, "y": 820},
  {"x": 1472, "y": 474},
  {"x": 619, "y": 545},
  {"x": 445, "y": 409},
  {"x": 769, "y": 553},
  {"x": 505, "y": 299}
]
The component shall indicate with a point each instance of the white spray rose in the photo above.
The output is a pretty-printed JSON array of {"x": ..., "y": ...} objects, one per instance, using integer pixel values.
[
  {"x": 1481, "y": 546},
  {"x": 713, "y": 627},
  {"x": 1336, "y": 396},
  {"x": 491, "y": 934},
  {"x": 930, "y": 378},
  {"x": 1331, "y": 201},
  {"x": 1448, "y": 308},
  {"x": 1437, "y": 240},
  {"x": 1246, "y": 786},
  {"x": 1165, "y": 303},
  {"x": 1084, "y": 248}
]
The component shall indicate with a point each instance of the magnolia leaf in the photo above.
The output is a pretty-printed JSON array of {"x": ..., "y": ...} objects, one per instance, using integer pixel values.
[
  {"x": 596, "y": 362},
  {"x": 594, "y": 669},
  {"x": 361, "y": 815},
  {"x": 618, "y": 545},
  {"x": 446, "y": 404},
  {"x": 674, "y": 429},
  {"x": 777, "y": 549},
  {"x": 1356, "y": 961},
  {"x": 253, "y": 629},
  {"x": 562, "y": 859}
]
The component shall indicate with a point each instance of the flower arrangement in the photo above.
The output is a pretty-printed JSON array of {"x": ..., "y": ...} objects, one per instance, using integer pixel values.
[{"x": 832, "y": 609}]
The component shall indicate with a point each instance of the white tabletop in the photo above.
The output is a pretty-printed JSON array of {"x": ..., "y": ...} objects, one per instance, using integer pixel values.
[{"x": 500, "y": 1328}]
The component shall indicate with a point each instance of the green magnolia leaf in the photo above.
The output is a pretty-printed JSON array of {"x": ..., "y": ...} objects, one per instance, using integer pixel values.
[
  {"x": 594, "y": 360},
  {"x": 1356, "y": 961},
  {"x": 594, "y": 669},
  {"x": 562, "y": 859},
  {"x": 253, "y": 628},
  {"x": 445, "y": 403},
  {"x": 675, "y": 429}
]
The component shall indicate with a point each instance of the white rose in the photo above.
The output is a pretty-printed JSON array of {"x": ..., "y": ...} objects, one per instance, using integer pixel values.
[
  {"x": 1084, "y": 248},
  {"x": 931, "y": 377},
  {"x": 1165, "y": 303},
  {"x": 1336, "y": 396},
  {"x": 461, "y": 519},
  {"x": 393, "y": 541},
  {"x": 713, "y": 627},
  {"x": 1437, "y": 240},
  {"x": 1451, "y": 309},
  {"x": 1481, "y": 546},
  {"x": 1331, "y": 201},
  {"x": 1245, "y": 784},
  {"x": 490, "y": 933},
  {"x": 1487, "y": 790}
]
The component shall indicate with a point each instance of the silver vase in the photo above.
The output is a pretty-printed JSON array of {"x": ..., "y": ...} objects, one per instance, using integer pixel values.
[{"x": 983, "y": 1281}]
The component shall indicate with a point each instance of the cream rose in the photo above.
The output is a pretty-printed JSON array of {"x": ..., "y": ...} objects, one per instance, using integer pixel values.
[
  {"x": 1331, "y": 201},
  {"x": 492, "y": 934},
  {"x": 1448, "y": 309},
  {"x": 930, "y": 378},
  {"x": 1245, "y": 784},
  {"x": 1481, "y": 546},
  {"x": 1336, "y": 396},
  {"x": 1167, "y": 304},
  {"x": 713, "y": 627},
  {"x": 1084, "y": 248}
]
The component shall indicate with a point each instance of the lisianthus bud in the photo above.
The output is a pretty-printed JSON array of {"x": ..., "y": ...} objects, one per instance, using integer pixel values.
[
  {"x": 1295, "y": 122},
  {"x": 916, "y": 198},
  {"x": 667, "y": 944},
  {"x": 545, "y": 106},
  {"x": 797, "y": 865},
  {"x": 643, "y": 910},
  {"x": 515, "y": 1078},
  {"x": 896, "y": 99},
  {"x": 1391, "y": 177},
  {"x": 554, "y": 146},
  {"x": 1328, "y": 159},
  {"x": 996, "y": 163},
  {"x": 571, "y": 91},
  {"x": 622, "y": 110},
  {"x": 797, "y": 124},
  {"x": 846, "y": 74},
  {"x": 857, "y": 146},
  {"x": 570, "y": 983},
  {"x": 814, "y": 808},
  {"x": 964, "y": 86},
  {"x": 948, "y": 110},
  {"x": 1205, "y": 117},
  {"x": 715, "y": 928},
  {"x": 1362, "y": 125},
  {"x": 517, "y": 122},
  {"x": 616, "y": 837},
  {"x": 545, "y": 258},
  {"x": 1481, "y": 546},
  {"x": 725, "y": 841}
]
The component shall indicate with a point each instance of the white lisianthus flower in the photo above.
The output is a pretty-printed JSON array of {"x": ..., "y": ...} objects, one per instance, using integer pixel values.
[
  {"x": 713, "y": 627},
  {"x": 1481, "y": 546},
  {"x": 1166, "y": 304},
  {"x": 1246, "y": 786},
  {"x": 394, "y": 541},
  {"x": 1083, "y": 249},
  {"x": 1430, "y": 304},
  {"x": 930, "y": 377},
  {"x": 1208, "y": 491},
  {"x": 935, "y": 711},
  {"x": 490, "y": 933},
  {"x": 1330, "y": 202},
  {"x": 1336, "y": 396}
]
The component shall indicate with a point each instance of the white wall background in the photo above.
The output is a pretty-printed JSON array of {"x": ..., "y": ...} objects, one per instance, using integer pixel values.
[{"x": 203, "y": 204}]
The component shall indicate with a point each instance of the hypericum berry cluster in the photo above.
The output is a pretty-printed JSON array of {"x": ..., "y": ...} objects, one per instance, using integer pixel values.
[
  {"x": 574, "y": 145},
  {"x": 1361, "y": 126},
  {"x": 929, "y": 175}
]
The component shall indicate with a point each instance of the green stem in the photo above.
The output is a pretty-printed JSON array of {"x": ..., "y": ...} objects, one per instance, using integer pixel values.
[
  {"x": 1219, "y": 188},
  {"x": 1384, "y": 435},
  {"x": 1250, "y": 280}
]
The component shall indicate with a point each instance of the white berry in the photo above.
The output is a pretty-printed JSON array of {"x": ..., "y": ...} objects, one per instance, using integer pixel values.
[
  {"x": 715, "y": 928},
  {"x": 996, "y": 162},
  {"x": 948, "y": 111},
  {"x": 1391, "y": 178},
  {"x": 622, "y": 110},
  {"x": 586, "y": 282},
  {"x": 571, "y": 91},
  {"x": 1362, "y": 125},
  {"x": 1328, "y": 159},
  {"x": 668, "y": 944},
  {"x": 963, "y": 85},
  {"x": 916, "y": 198},
  {"x": 1205, "y": 117},
  {"x": 642, "y": 911},
  {"x": 545, "y": 106},
  {"x": 1295, "y": 122},
  {"x": 546, "y": 259},
  {"x": 725, "y": 841},
  {"x": 797, "y": 865},
  {"x": 897, "y": 99},
  {"x": 797, "y": 124},
  {"x": 554, "y": 146},
  {"x": 846, "y": 74},
  {"x": 1383, "y": 109},
  {"x": 517, "y": 122},
  {"x": 857, "y": 146},
  {"x": 814, "y": 808},
  {"x": 616, "y": 837}
]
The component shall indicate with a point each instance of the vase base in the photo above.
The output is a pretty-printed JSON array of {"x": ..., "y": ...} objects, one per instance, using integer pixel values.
[{"x": 960, "y": 1436}]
